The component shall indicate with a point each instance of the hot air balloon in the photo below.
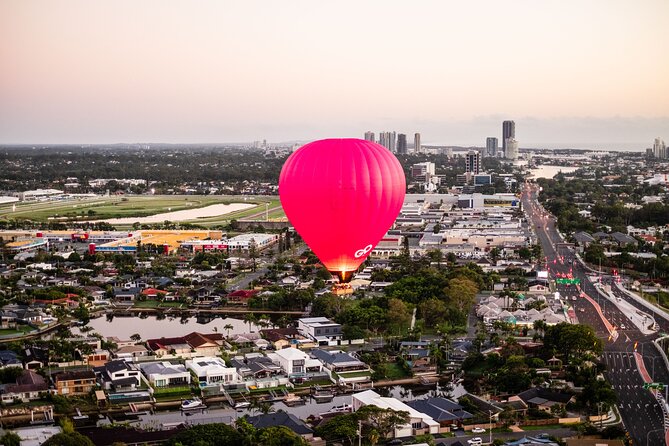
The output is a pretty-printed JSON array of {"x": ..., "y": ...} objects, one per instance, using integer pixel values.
[{"x": 342, "y": 196}]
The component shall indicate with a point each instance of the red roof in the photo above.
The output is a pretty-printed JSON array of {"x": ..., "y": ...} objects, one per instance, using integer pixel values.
[
  {"x": 244, "y": 294},
  {"x": 152, "y": 291}
]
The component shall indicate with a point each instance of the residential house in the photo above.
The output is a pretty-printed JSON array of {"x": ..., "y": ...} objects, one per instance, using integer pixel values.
[
  {"x": 27, "y": 387},
  {"x": 130, "y": 352},
  {"x": 241, "y": 296},
  {"x": 119, "y": 375},
  {"x": 163, "y": 374},
  {"x": 295, "y": 363},
  {"x": 419, "y": 422},
  {"x": 75, "y": 383},
  {"x": 205, "y": 344},
  {"x": 623, "y": 240},
  {"x": 212, "y": 371},
  {"x": 169, "y": 346},
  {"x": 282, "y": 418},
  {"x": 320, "y": 329},
  {"x": 418, "y": 358},
  {"x": 126, "y": 294},
  {"x": 543, "y": 399},
  {"x": 9, "y": 359},
  {"x": 442, "y": 410},
  {"x": 338, "y": 361},
  {"x": 281, "y": 338},
  {"x": 255, "y": 366},
  {"x": 35, "y": 358}
]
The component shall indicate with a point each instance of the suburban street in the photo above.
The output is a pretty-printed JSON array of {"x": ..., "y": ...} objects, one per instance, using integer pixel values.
[{"x": 640, "y": 411}]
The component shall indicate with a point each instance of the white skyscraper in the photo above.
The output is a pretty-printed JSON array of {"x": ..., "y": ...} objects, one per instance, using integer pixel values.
[
  {"x": 369, "y": 136},
  {"x": 511, "y": 149},
  {"x": 659, "y": 149}
]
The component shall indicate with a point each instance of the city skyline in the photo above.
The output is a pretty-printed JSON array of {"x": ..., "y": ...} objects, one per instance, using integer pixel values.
[{"x": 103, "y": 72}]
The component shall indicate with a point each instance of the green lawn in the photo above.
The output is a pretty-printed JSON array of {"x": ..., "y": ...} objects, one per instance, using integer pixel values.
[
  {"x": 354, "y": 374},
  {"x": 19, "y": 330},
  {"x": 394, "y": 371},
  {"x": 135, "y": 206},
  {"x": 542, "y": 427},
  {"x": 156, "y": 304}
]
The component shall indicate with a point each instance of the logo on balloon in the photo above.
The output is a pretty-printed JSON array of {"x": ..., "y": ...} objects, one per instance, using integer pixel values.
[{"x": 361, "y": 252}]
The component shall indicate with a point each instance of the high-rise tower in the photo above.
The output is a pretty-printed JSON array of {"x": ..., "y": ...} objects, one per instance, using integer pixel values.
[
  {"x": 369, "y": 136},
  {"x": 473, "y": 162},
  {"x": 491, "y": 146},
  {"x": 416, "y": 143},
  {"x": 401, "y": 144},
  {"x": 508, "y": 131}
]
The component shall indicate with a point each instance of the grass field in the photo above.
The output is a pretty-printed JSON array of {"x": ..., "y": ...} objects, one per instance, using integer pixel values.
[{"x": 102, "y": 208}]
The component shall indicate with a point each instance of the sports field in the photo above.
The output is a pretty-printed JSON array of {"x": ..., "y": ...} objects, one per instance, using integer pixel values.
[{"x": 102, "y": 208}]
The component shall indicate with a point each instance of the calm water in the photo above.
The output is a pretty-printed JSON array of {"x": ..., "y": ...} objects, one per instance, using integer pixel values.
[
  {"x": 151, "y": 327},
  {"x": 547, "y": 171}
]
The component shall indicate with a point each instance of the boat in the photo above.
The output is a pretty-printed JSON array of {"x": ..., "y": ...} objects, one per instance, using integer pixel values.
[
  {"x": 191, "y": 404},
  {"x": 242, "y": 405},
  {"x": 344, "y": 408},
  {"x": 293, "y": 400}
]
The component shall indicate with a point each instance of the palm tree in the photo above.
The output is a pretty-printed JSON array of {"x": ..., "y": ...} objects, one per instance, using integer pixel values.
[
  {"x": 228, "y": 327},
  {"x": 250, "y": 319}
]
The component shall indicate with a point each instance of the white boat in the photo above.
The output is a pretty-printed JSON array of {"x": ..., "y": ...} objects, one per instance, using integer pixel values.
[
  {"x": 194, "y": 403},
  {"x": 344, "y": 408},
  {"x": 242, "y": 405}
]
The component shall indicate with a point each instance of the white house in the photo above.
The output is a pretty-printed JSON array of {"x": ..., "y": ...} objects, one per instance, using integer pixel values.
[
  {"x": 212, "y": 370},
  {"x": 320, "y": 329},
  {"x": 162, "y": 374},
  {"x": 419, "y": 422},
  {"x": 295, "y": 362}
]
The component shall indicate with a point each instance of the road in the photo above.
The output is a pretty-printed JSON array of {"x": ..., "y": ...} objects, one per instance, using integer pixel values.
[
  {"x": 559, "y": 433},
  {"x": 641, "y": 413}
]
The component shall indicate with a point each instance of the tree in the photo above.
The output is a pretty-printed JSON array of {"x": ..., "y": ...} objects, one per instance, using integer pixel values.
[
  {"x": 250, "y": 318},
  {"x": 339, "y": 427},
  {"x": 136, "y": 338},
  {"x": 214, "y": 434},
  {"x": 10, "y": 439},
  {"x": 461, "y": 292},
  {"x": 82, "y": 313},
  {"x": 425, "y": 438},
  {"x": 573, "y": 341},
  {"x": 227, "y": 328},
  {"x": 382, "y": 420},
  {"x": 432, "y": 311},
  {"x": 68, "y": 439},
  {"x": 398, "y": 314}
]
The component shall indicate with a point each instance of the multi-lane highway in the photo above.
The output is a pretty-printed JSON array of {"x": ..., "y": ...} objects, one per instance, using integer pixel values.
[{"x": 641, "y": 413}]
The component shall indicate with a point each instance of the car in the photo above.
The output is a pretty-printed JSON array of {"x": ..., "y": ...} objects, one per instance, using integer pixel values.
[
  {"x": 622, "y": 326},
  {"x": 478, "y": 430},
  {"x": 542, "y": 436},
  {"x": 476, "y": 441}
]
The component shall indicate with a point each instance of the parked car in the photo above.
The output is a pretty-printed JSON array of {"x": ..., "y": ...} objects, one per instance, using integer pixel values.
[
  {"x": 476, "y": 441},
  {"x": 478, "y": 430}
]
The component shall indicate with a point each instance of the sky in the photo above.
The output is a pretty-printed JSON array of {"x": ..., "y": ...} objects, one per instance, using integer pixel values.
[{"x": 590, "y": 73}]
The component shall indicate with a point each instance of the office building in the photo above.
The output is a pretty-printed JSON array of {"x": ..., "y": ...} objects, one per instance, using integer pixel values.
[
  {"x": 423, "y": 171},
  {"x": 387, "y": 140},
  {"x": 491, "y": 146},
  {"x": 401, "y": 144},
  {"x": 416, "y": 143},
  {"x": 659, "y": 149},
  {"x": 369, "y": 136},
  {"x": 473, "y": 162},
  {"x": 508, "y": 131},
  {"x": 511, "y": 152}
]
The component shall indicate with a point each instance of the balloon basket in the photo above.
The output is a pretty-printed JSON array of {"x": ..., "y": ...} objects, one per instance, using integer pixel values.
[{"x": 342, "y": 289}]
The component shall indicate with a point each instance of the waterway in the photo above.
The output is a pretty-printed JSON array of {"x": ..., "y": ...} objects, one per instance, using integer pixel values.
[
  {"x": 548, "y": 171},
  {"x": 224, "y": 414},
  {"x": 151, "y": 327}
]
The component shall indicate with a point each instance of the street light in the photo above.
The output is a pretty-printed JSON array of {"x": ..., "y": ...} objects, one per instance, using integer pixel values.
[{"x": 490, "y": 427}]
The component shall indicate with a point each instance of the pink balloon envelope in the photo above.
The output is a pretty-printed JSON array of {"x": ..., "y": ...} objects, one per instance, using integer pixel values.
[{"x": 342, "y": 196}]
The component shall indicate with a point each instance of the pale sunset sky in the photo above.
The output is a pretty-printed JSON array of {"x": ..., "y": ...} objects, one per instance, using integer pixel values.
[{"x": 580, "y": 72}]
